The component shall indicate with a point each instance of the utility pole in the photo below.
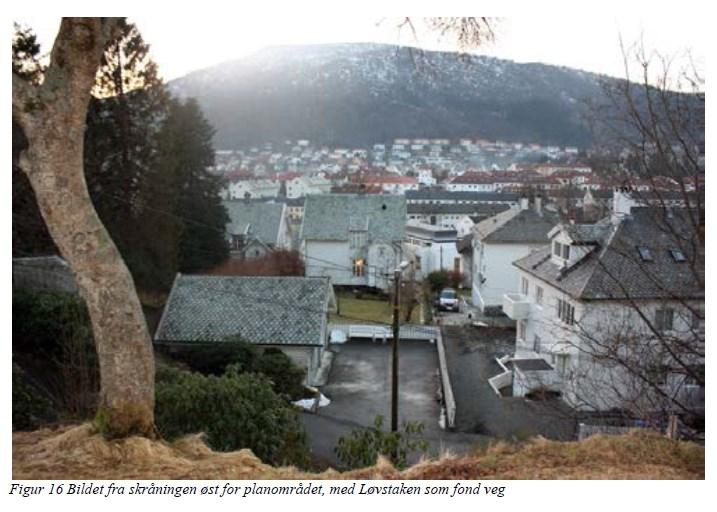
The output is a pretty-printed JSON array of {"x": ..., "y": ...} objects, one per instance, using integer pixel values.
[{"x": 394, "y": 361}]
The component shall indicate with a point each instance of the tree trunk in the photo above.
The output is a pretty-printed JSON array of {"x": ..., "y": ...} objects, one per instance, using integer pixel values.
[{"x": 53, "y": 118}]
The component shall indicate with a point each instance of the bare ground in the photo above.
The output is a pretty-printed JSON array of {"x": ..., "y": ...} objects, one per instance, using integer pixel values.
[{"x": 75, "y": 452}]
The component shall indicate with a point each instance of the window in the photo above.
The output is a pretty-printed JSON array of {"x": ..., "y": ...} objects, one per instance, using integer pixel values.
[
  {"x": 678, "y": 255},
  {"x": 539, "y": 295},
  {"x": 566, "y": 312},
  {"x": 645, "y": 253},
  {"x": 536, "y": 344},
  {"x": 664, "y": 319},
  {"x": 524, "y": 286},
  {"x": 359, "y": 267},
  {"x": 561, "y": 250},
  {"x": 357, "y": 239},
  {"x": 418, "y": 263}
]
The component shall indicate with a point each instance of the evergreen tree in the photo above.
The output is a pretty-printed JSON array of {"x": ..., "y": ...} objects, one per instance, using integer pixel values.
[
  {"x": 186, "y": 153},
  {"x": 124, "y": 177}
]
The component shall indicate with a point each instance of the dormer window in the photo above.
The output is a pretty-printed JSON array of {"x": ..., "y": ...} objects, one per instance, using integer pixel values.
[
  {"x": 645, "y": 253},
  {"x": 561, "y": 250}
]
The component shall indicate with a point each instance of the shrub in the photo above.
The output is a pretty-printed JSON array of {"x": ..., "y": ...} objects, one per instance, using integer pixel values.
[
  {"x": 286, "y": 377},
  {"x": 438, "y": 280},
  {"x": 30, "y": 408},
  {"x": 234, "y": 411},
  {"x": 53, "y": 342},
  {"x": 364, "y": 445}
]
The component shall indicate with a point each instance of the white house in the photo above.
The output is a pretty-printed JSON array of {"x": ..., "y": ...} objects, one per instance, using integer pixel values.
[
  {"x": 353, "y": 239},
  {"x": 500, "y": 240},
  {"x": 301, "y": 186},
  {"x": 432, "y": 248},
  {"x": 242, "y": 189},
  {"x": 622, "y": 293}
]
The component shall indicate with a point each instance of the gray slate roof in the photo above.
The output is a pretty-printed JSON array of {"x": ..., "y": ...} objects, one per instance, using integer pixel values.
[
  {"x": 614, "y": 270},
  {"x": 329, "y": 216},
  {"x": 517, "y": 226},
  {"x": 264, "y": 218},
  {"x": 479, "y": 209},
  {"x": 262, "y": 310}
]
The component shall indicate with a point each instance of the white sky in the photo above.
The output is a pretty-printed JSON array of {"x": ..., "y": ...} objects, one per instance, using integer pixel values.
[{"x": 586, "y": 41}]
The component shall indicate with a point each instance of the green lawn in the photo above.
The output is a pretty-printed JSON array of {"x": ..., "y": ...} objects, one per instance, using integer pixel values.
[{"x": 366, "y": 310}]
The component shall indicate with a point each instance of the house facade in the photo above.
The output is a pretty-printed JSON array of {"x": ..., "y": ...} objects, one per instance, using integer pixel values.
[
  {"x": 356, "y": 240},
  {"x": 497, "y": 242},
  {"x": 606, "y": 297},
  {"x": 432, "y": 248}
]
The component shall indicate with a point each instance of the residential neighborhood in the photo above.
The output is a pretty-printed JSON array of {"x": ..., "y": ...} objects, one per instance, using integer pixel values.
[{"x": 354, "y": 260}]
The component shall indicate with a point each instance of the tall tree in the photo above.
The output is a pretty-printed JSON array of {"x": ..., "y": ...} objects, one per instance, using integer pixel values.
[
  {"x": 126, "y": 182},
  {"x": 186, "y": 154},
  {"x": 52, "y": 116}
]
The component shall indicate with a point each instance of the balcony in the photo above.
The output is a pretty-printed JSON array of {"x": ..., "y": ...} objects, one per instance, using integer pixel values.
[{"x": 516, "y": 306}]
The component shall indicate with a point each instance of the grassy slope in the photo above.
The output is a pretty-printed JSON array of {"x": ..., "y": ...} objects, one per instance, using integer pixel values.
[
  {"x": 75, "y": 453},
  {"x": 366, "y": 310}
]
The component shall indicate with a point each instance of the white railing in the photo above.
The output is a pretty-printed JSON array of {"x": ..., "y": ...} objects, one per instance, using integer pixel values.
[{"x": 516, "y": 306}]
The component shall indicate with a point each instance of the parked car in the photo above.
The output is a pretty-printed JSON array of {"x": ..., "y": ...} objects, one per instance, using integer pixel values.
[{"x": 448, "y": 300}]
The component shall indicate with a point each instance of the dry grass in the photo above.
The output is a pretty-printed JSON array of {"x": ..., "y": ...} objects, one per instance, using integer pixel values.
[{"x": 77, "y": 453}]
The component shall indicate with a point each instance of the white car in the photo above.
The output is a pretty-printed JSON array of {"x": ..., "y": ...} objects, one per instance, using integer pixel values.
[{"x": 448, "y": 300}]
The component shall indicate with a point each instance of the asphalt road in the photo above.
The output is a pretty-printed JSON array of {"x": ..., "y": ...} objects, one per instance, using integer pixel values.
[{"x": 360, "y": 389}]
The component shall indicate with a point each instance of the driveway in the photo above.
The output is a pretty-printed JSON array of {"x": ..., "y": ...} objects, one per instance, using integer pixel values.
[
  {"x": 470, "y": 354},
  {"x": 360, "y": 389}
]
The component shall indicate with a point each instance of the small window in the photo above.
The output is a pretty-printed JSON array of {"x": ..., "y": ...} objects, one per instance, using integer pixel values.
[
  {"x": 566, "y": 252},
  {"x": 645, "y": 253},
  {"x": 521, "y": 327},
  {"x": 524, "y": 286},
  {"x": 359, "y": 269},
  {"x": 678, "y": 255},
  {"x": 566, "y": 312},
  {"x": 536, "y": 344},
  {"x": 664, "y": 319},
  {"x": 539, "y": 295}
]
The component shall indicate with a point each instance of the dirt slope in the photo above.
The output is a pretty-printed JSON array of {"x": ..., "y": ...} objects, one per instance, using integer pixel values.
[{"x": 75, "y": 452}]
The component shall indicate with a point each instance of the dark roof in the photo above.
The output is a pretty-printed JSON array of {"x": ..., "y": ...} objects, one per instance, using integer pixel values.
[
  {"x": 531, "y": 365},
  {"x": 465, "y": 244},
  {"x": 613, "y": 268},
  {"x": 263, "y": 219},
  {"x": 517, "y": 226},
  {"x": 331, "y": 216},
  {"x": 478, "y": 209},
  {"x": 261, "y": 310},
  {"x": 445, "y": 195}
]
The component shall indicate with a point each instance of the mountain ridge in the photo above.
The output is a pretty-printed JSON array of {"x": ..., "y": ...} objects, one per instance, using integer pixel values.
[{"x": 364, "y": 93}]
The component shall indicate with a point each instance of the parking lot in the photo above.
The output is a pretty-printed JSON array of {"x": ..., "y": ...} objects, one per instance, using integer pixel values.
[{"x": 360, "y": 389}]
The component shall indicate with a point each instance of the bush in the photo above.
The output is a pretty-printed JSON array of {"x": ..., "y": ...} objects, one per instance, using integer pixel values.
[
  {"x": 286, "y": 377},
  {"x": 438, "y": 280},
  {"x": 364, "y": 445},
  {"x": 30, "y": 407},
  {"x": 234, "y": 411},
  {"x": 53, "y": 342}
]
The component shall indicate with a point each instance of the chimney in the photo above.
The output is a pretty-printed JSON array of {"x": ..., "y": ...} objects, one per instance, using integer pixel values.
[
  {"x": 622, "y": 203},
  {"x": 524, "y": 203},
  {"x": 539, "y": 204}
]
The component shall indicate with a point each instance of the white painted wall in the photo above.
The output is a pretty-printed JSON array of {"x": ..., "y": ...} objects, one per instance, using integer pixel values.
[
  {"x": 493, "y": 272},
  {"x": 589, "y": 384}
]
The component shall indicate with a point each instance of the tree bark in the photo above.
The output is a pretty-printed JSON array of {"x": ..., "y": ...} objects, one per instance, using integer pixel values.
[{"x": 53, "y": 118}]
